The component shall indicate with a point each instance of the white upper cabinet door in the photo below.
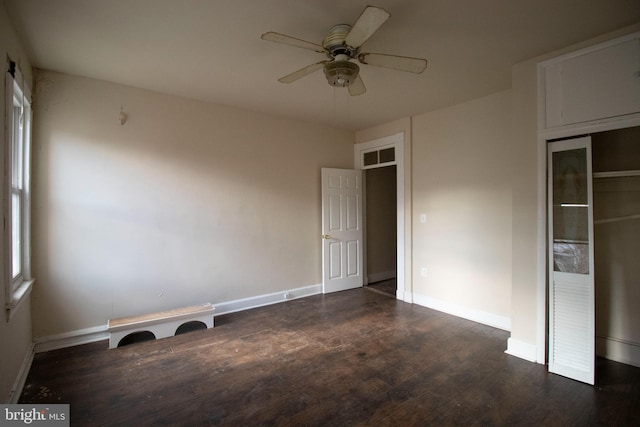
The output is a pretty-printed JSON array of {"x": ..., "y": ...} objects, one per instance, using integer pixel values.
[{"x": 595, "y": 85}]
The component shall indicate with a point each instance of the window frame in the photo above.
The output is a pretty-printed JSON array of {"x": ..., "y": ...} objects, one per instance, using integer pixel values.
[{"x": 17, "y": 178}]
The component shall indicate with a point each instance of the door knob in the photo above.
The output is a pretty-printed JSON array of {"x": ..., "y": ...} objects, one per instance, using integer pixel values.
[{"x": 326, "y": 236}]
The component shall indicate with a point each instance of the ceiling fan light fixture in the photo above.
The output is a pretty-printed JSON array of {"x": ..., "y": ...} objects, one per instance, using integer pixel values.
[{"x": 341, "y": 73}]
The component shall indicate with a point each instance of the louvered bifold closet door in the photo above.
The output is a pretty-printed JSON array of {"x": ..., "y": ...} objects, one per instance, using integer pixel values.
[{"x": 571, "y": 277}]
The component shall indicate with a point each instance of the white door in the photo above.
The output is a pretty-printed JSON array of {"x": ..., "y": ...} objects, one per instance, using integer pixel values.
[
  {"x": 341, "y": 229},
  {"x": 571, "y": 277}
]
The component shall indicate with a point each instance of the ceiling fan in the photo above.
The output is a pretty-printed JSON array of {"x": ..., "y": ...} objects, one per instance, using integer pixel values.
[{"x": 343, "y": 44}]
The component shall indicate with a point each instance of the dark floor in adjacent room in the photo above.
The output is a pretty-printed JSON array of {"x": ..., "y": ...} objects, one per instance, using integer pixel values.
[
  {"x": 350, "y": 358},
  {"x": 387, "y": 287}
]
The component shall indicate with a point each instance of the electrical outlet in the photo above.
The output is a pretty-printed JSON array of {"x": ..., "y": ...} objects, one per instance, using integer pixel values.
[
  {"x": 423, "y": 271},
  {"x": 423, "y": 218}
]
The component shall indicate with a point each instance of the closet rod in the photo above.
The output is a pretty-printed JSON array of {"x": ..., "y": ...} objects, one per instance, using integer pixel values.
[{"x": 618, "y": 219}]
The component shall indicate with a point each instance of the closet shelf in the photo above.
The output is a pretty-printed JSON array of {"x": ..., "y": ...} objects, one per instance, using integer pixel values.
[
  {"x": 618, "y": 219},
  {"x": 616, "y": 174}
]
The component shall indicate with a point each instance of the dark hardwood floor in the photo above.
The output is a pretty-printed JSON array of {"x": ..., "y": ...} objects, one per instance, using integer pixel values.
[{"x": 346, "y": 359}]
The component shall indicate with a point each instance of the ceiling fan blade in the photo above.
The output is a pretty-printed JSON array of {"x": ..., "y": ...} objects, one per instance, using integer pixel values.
[
  {"x": 291, "y": 41},
  {"x": 290, "y": 78},
  {"x": 357, "y": 87},
  {"x": 369, "y": 21},
  {"x": 394, "y": 62}
]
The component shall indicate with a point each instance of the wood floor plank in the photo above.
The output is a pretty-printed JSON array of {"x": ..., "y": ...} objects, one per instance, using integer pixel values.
[{"x": 351, "y": 358}]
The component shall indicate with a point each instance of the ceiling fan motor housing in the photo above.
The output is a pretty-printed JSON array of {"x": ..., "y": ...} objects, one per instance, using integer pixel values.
[{"x": 334, "y": 42}]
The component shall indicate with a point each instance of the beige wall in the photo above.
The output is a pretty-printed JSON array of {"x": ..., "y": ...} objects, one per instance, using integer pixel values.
[
  {"x": 461, "y": 181},
  {"x": 15, "y": 335},
  {"x": 523, "y": 176},
  {"x": 185, "y": 203},
  {"x": 388, "y": 129}
]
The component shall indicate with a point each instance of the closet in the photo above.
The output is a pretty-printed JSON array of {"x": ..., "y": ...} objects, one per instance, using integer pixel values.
[
  {"x": 616, "y": 218},
  {"x": 593, "y": 206}
]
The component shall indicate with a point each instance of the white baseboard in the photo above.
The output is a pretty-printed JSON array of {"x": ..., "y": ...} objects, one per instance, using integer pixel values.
[
  {"x": 522, "y": 350},
  {"x": 486, "y": 318},
  {"x": 618, "y": 350},
  {"x": 21, "y": 379},
  {"x": 267, "y": 299},
  {"x": 379, "y": 277},
  {"x": 99, "y": 333},
  {"x": 405, "y": 296},
  {"x": 70, "y": 339}
]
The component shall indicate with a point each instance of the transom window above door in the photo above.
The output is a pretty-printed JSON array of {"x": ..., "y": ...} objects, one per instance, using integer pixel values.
[{"x": 382, "y": 156}]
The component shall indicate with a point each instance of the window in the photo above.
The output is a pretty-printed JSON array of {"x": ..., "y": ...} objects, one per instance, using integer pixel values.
[
  {"x": 16, "y": 213},
  {"x": 377, "y": 157}
]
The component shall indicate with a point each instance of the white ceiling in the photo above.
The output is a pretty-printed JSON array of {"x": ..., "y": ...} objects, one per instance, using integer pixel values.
[{"x": 211, "y": 49}]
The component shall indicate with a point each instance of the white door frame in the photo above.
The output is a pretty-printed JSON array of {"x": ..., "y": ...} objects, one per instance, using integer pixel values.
[{"x": 396, "y": 141}]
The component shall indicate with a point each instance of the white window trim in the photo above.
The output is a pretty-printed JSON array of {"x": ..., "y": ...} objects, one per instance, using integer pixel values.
[{"x": 16, "y": 292}]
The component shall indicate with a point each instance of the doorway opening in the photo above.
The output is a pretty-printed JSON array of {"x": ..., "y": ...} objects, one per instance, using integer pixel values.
[
  {"x": 384, "y": 157},
  {"x": 381, "y": 227}
]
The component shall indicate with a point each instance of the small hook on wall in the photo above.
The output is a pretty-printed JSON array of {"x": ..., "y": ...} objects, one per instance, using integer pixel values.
[{"x": 123, "y": 116}]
